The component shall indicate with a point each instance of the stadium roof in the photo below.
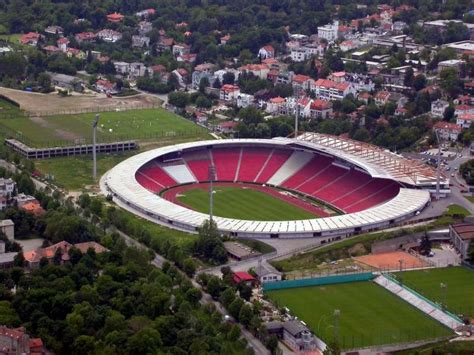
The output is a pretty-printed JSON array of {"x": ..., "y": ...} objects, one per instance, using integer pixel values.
[
  {"x": 122, "y": 183},
  {"x": 377, "y": 161}
]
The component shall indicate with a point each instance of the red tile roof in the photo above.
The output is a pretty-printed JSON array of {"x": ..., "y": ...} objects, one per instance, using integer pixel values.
[
  {"x": 299, "y": 78},
  {"x": 320, "y": 105},
  {"x": 447, "y": 126},
  {"x": 241, "y": 276},
  {"x": 115, "y": 17},
  {"x": 330, "y": 84}
]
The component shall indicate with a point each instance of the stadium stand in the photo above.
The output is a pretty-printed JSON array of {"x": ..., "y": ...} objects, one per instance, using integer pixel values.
[
  {"x": 417, "y": 301},
  {"x": 253, "y": 160},
  {"x": 148, "y": 183},
  {"x": 157, "y": 174},
  {"x": 226, "y": 161},
  {"x": 273, "y": 164},
  {"x": 180, "y": 173},
  {"x": 313, "y": 167},
  {"x": 294, "y": 163}
]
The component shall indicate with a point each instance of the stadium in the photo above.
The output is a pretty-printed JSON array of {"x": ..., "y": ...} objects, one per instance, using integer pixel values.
[{"x": 340, "y": 186}]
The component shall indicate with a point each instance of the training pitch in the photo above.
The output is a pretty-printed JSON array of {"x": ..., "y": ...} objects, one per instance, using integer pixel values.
[
  {"x": 243, "y": 203},
  {"x": 140, "y": 124},
  {"x": 369, "y": 315},
  {"x": 452, "y": 286}
]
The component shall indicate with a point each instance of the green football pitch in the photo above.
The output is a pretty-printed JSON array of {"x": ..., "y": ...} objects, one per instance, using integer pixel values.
[
  {"x": 137, "y": 124},
  {"x": 457, "y": 292},
  {"x": 240, "y": 203},
  {"x": 369, "y": 315}
]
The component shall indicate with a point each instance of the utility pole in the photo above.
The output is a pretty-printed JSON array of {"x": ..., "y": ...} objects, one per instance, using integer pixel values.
[
  {"x": 444, "y": 288},
  {"x": 94, "y": 144},
  {"x": 296, "y": 119},
  {"x": 438, "y": 167},
  {"x": 212, "y": 177}
]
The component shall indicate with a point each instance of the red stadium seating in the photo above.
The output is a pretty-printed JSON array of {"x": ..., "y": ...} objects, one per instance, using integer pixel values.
[
  {"x": 226, "y": 161},
  {"x": 278, "y": 158},
  {"x": 157, "y": 174},
  {"x": 147, "y": 183},
  {"x": 314, "y": 166},
  {"x": 348, "y": 190},
  {"x": 253, "y": 159}
]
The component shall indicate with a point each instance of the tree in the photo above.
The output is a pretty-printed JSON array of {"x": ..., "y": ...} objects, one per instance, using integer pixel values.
[
  {"x": 419, "y": 82},
  {"x": 19, "y": 260},
  {"x": 145, "y": 341},
  {"x": 178, "y": 99},
  {"x": 203, "y": 84},
  {"x": 44, "y": 81},
  {"x": 245, "y": 315},
  {"x": 245, "y": 292},
  {"x": 189, "y": 267},
  {"x": 408, "y": 79},
  {"x": 272, "y": 343},
  {"x": 227, "y": 297},
  {"x": 214, "y": 287},
  {"x": 425, "y": 245},
  {"x": 228, "y": 78},
  {"x": 450, "y": 82},
  {"x": 234, "y": 307}
]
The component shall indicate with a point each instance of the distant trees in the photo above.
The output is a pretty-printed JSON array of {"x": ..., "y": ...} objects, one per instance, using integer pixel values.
[{"x": 209, "y": 244}]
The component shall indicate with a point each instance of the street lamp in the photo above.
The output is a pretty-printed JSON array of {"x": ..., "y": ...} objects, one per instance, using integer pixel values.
[
  {"x": 444, "y": 288},
  {"x": 212, "y": 177},
  {"x": 439, "y": 165},
  {"x": 94, "y": 153}
]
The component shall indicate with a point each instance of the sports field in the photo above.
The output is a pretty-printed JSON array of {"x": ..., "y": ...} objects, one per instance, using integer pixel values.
[
  {"x": 458, "y": 296},
  {"x": 369, "y": 314},
  {"x": 140, "y": 124},
  {"x": 243, "y": 203}
]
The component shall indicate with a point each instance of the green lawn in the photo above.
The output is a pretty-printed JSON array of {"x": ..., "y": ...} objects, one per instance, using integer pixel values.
[
  {"x": 13, "y": 37},
  {"x": 457, "y": 210},
  {"x": 239, "y": 203},
  {"x": 141, "y": 124},
  {"x": 469, "y": 198},
  {"x": 459, "y": 293},
  {"x": 369, "y": 314}
]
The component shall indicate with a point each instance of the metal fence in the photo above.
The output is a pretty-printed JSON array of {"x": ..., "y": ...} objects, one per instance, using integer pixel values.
[{"x": 92, "y": 109}]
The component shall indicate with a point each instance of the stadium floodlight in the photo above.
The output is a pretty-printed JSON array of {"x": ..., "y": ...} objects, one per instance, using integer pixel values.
[
  {"x": 212, "y": 177},
  {"x": 94, "y": 143},
  {"x": 439, "y": 165}
]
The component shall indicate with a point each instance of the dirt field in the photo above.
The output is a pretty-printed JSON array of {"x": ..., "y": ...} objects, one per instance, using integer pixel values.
[
  {"x": 47, "y": 103},
  {"x": 391, "y": 260}
]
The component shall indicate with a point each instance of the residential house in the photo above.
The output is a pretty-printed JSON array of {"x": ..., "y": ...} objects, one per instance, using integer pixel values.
[
  {"x": 187, "y": 58},
  {"x": 34, "y": 208},
  {"x": 457, "y": 64},
  {"x": 180, "y": 49},
  {"x": 164, "y": 44},
  {"x": 122, "y": 68},
  {"x": 15, "y": 341},
  {"x": 51, "y": 49},
  {"x": 67, "y": 82},
  {"x": 22, "y": 199},
  {"x": 115, "y": 17},
  {"x": 303, "y": 107},
  {"x": 181, "y": 75},
  {"x": 245, "y": 100},
  {"x": 31, "y": 38},
  {"x": 462, "y": 235},
  {"x": 295, "y": 335},
  {"x": 105, "y": 86},
  {"x": 464, "y": 100},
  {"x": 229, "y": 92},
  {"x": 145, "y": 13},
  {"x": 398, "y": 99},
  {"x": 259, "y": 70},
  {"x": 144, "y": 27},
  {"x": 321, "y": 109},
  {"x": 240, "y": 277},
  {"x": 364, "y": 96},
  {"x": 205, "y": 70},
  {"x": 267, "y": 273},
  {"x": 284, "y": 77},
  {"x": 7, "y": 227},
  {"x": 381, "y": 98},
  {"x": 266, "y": 52},
  {"x": 54, "y": 30},
  {"x": 330, "y": 90},
  {"x": 438, "y": 107},
  {"x": 137, "y": 70},
  {"x": 85, "y": 37},
  {"x": 77, "y": 53},
  {"x": 349, "y": 45},
  {"x": 400, "y": 111},
  {"x": 447, "y": 130},
  {"x": 465, "y": 120},
  {"x": 7, "y": 187},
  {"x": 463, "y": 109},
  {"x": 140, "y": 41},
  {"x": 61, "y": 249},
  {"x": 225, "y": 39},
  {"x": 108, "y": 35},
  {"x": 301, "y": 84},
  {"x": 274, "y": 105},
  {"x": 227, "y": 127},
  {"x": 62, "y": 43},
  {"x": 329, "y": 32}
]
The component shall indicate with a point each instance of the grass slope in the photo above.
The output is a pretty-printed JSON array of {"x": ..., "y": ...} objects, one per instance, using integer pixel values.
[
  {"x": 369, "y": 315},
  {"x": 141, "y": 124},
  {"x": 248, "y": 204},
  {"x": 460, "y": 287}
]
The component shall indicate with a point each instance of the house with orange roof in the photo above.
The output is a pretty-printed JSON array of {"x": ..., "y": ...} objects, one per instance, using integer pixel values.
[
  {"x": 259, "y": 70},
  {"x": 31, "y": 38},
  {"x": 301, "y": 83},
  {"x": 115, "y": 17},
  {"x": 34, "y": 207},
  {"x": 381, "y": 97},
  {"x": 274, "y": 105},
  {"x": 266, "y": 52},
  {"x": 321, "y": 109},
  {"x": 465, "y": 120},
  {"x": 460, "y": 110},
  {"x": 33, "y": 257},
  {"x": 326, "y": 89},
  {"x": 225, "y": 39},
  {"x": 17, "y": 341},
  {"x": 448, "y": 130},
  {"x": 229, "y": 92}
]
